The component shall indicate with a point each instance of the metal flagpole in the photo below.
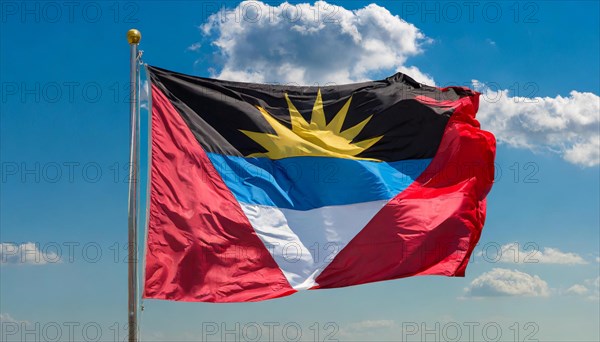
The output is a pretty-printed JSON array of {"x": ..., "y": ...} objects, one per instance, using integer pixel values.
[{"x": 133, "y": 38}]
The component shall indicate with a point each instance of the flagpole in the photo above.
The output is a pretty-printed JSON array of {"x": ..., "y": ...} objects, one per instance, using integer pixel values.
[{"x": 133, "y": 38}]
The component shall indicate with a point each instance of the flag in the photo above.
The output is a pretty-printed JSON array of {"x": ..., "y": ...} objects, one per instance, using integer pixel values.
[{"x": 258, "y": 191}]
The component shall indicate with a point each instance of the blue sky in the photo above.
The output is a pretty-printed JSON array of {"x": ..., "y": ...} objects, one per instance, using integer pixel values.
[{"x": 64, "y": 153}]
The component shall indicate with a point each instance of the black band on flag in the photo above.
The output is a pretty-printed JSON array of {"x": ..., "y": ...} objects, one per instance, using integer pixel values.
[{"x": 388, "y": 116}]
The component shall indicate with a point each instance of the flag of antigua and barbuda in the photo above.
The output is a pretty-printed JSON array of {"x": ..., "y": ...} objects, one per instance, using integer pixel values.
[{"x": 258, "y": 191}]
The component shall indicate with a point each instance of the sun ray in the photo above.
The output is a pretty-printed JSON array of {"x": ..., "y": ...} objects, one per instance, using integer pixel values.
[
  {"x": 338, "y": 120},
  {"x": 298, "y": 121},
  {"x": 353, "y": 131},
  {"x": 365, "y": 144},
  {"x": 318, "y": 114}
]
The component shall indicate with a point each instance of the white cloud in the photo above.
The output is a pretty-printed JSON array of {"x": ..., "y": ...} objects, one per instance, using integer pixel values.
[
  {"x": 5, "y": 319},
  {"x": 577, "y": 290},
  {"x": 194, "y": 47},
  {"x": 568, "y": 125},
  {"x": 554, "y": 256},
  {"x": 9, "y": 326},
  {"x": 595, "y": 285},
  {"x": 590, "y": 289},
  {"x": 530, "y": 254},
  {"x": 26, "y": 254},
  {"x": 308, "y": 44},
  {"x": 417, "y": 75},
  {"x": 505, "y": 282}
]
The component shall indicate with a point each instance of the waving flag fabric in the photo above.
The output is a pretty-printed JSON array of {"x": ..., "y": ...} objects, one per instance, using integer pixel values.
[{"x": 258, "y": 191}]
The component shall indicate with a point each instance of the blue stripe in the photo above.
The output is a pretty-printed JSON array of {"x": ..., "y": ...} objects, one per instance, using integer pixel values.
[{"x": 304, "y": 183}]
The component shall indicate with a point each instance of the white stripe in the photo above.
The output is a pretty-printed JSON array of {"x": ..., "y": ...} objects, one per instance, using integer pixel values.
[{"x": 303, "y": 243}]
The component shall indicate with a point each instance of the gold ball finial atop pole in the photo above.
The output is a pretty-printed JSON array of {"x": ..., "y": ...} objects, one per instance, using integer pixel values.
[{"x": 134, "y": 36}]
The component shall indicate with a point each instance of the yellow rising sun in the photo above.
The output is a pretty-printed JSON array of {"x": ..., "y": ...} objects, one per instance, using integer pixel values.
[{"x": 317, "y": 138}]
